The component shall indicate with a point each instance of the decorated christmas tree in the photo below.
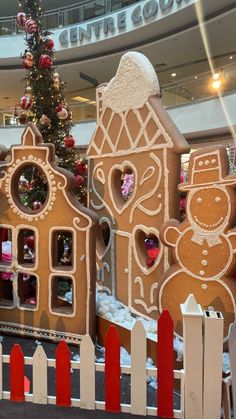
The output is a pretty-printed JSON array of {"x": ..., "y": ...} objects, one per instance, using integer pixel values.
[{"x": 44, "y": 101}]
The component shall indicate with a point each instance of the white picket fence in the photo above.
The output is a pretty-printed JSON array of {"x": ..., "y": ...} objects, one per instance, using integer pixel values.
[{"x": 200, "y": 379}]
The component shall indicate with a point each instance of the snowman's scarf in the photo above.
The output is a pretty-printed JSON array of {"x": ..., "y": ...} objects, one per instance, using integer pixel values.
[{"x": 212, "y": 240}]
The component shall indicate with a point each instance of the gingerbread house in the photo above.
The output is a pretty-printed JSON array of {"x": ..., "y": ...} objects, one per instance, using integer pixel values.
[
  {"x": 134, "y": 165},
  {"x": 45, "y": 289}
]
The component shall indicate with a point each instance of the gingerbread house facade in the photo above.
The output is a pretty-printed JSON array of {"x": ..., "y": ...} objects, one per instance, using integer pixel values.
[
  {"x": 136, "y": 143},
  {"x": 31, "y": 282}
]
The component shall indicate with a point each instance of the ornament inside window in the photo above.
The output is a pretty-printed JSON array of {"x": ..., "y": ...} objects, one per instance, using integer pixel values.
[{"x": 31, "y": 187}]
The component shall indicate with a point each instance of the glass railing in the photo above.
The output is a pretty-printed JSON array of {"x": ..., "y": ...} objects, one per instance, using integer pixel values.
[
  {"x": 193, "y": 89},
  {"x": 68, "y": 15}
]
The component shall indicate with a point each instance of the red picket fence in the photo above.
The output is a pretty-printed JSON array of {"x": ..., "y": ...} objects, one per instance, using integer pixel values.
[{"x": 112, "y": 370}]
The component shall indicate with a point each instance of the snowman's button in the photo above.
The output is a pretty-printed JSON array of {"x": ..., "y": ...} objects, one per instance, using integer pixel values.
[
  {"x": 207, "y": 162},
  {"x": 205, "y": 252},
  {"x": 200, "y": 163},
  {"x": 204, "y": 262},
  {"x": 202, "y": 273},
  {"x": 204, "y": 286}
]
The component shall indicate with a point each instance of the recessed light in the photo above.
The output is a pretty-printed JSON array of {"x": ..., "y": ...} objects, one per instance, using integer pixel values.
[
  {"x": 195, "y": 77},
  {"x": 173, "y": 74},
  {"x": 216, "y": 76},
  {"x": 231, "y": 57}
]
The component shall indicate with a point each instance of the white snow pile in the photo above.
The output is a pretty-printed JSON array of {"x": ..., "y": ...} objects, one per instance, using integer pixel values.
[{"x": 113, "y": 310}]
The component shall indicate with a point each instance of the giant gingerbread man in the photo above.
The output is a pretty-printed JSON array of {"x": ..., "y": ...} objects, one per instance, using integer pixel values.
[{"x": 203, "y": 245}]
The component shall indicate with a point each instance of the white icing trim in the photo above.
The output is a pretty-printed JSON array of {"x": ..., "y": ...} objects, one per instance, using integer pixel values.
[
  {"x": 144, "y": 305},
  {"x": 16, "y": 232},
  {"x": 132, "y": 85},
  {"x": 166, "y": 232},
  {"x": 146, "y": 230},
  {"x": 139, "y": 281},
  {"x": 61, "y": 269},
  {"x": 13, "y": 256},
  {"x": 74, "y": 303},
  {"x": 121, "y": 167},
  {"x": 34, "y": 332}
]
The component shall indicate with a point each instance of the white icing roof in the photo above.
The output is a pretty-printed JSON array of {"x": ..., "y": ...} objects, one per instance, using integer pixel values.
[{"x": 132, "y": 85}]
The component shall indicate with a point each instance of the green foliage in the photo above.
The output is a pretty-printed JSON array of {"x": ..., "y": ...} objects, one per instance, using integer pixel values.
[{"x": 47, "y": 94}]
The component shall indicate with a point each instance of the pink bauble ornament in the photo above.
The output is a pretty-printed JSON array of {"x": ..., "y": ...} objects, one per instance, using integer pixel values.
[
  {"x": 62, "y": 113},
  {"x": 30, "y": 26},
  {"x": 45, "y": 61},
  {"x": 36, "y": 205},
  {"x": 21, "y": 19},
  {"x": 69, "y": 141},
  {"x": 79, "y": 180},
  {"x": 26, "y": 102},
  {"x": 81, "y": 167},
  {"x": 49, "y": 44}
]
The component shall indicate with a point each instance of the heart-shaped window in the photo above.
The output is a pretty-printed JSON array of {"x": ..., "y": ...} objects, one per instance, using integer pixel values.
[
  {"x": 148, "y": 248},
  {"x": 103, "y": 238},
  {"x": 123, "y": 186}
]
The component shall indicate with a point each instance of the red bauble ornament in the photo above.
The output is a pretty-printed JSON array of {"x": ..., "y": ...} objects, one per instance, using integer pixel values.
[
  {"x": 36, "y": 205},
  {"x": 26, "y": 102},
  {"x": 69, "y": 141},
  {"x": 29, "y": 241},
  {"x": 21, "y": 19},
  {"x": 49, "y": 44},
  {"x": 45, "y": 61},
  {"x": 27, "y": 64},
  {"x": 30, "y": 26},
  {"x": 79, "y": 180},
  {"x": 81, "y": 167}
]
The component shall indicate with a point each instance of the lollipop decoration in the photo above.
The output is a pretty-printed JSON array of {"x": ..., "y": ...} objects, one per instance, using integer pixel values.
[
  {"x": 30, "y": 26},
  {"x": 21, "y": 19}
]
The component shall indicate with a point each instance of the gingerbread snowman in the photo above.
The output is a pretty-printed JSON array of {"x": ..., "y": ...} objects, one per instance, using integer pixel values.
[{"x": 203, "y": 245}]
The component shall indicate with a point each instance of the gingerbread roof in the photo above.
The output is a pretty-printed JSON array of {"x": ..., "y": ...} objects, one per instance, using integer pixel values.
[{"x": 130, "y": 117}]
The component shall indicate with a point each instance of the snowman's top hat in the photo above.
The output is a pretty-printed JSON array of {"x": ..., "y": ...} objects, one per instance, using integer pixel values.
[{"x": 208, "y": 167}]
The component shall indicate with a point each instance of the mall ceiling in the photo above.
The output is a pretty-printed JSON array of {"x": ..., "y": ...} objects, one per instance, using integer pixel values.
[{"x": 181, "y": 53}]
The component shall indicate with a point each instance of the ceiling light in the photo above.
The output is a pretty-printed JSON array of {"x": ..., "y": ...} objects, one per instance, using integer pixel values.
[
  {"x": 80, "y": 99},
  {"x": 231, "y": 57},
  {"x": 195, "y": 77},
  {"x": 216, "y": 84},
  {"x": 216, "y": 76},
  {"x": 173, "y": 74}
]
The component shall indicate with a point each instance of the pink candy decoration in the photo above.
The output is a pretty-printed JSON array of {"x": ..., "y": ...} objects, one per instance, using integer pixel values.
[
  {"x": 21, "y": 19},
  {"x": 31, "y": 26}
]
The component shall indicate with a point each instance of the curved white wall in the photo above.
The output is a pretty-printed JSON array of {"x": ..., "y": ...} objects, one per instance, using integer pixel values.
[{"x": 130, "y": 26}]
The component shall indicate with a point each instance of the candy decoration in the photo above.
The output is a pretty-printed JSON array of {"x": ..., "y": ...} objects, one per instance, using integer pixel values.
[
  {"x": 153, "y": 253},
  {"x": 49, "y": 44},
  {"x": 69, "y": 141},
  {"x": 45, "y": 61},
  {"x": 81, "y": 167},
  {"x": 27, "y": 64},
  {"x": 30, "y": 26},
  {"x": 36, "y": 205},
  {"x": 79, "y": 180},
  {"x": 26, "y": 102},
  {"x": 21, "y": 19}
]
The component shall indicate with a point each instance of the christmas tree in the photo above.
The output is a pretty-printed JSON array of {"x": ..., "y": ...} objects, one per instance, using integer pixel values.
[{"x": 44, "y": 102}]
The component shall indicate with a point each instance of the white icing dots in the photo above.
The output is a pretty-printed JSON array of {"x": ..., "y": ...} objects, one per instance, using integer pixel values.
[
  {"x": 207, "y": 162},
  {"x": 18, "y": 161},
  {"x": 217, "y": 199},
  {"x": 30, "y": 157},
  {"x": 159, "y": 195},
  {"x": 14, "y": 210},
  {"x": 199, "y": 200},
  {"x": 204, "y": 262},
  {"x": 205, "y": 252},
  {"x": 200, "y": 163},
  {"x": 54, "y": 189},
  {"x": 213, "y": 161},
  {"x": 204, "y": 286},
  {"x": 41, "y": 217},
  {"x": 202, "y": 273}
]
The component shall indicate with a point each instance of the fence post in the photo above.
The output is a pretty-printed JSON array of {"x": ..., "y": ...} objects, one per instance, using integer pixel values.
[
  {"x": 138, "y": 370},
  {"x": 213, "y": 348},
  {"x": 112, "y": 370},
  {"x": 193, "y": 357},
  {"x": 40, "y": 378},
  {"x": 63, "y": 385},
  {"x": 87, "y": 373},
  {"x": 165, "y": 366},
  {"x": 17, "y": 374},
  {"x": 232, "y": 357}
]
